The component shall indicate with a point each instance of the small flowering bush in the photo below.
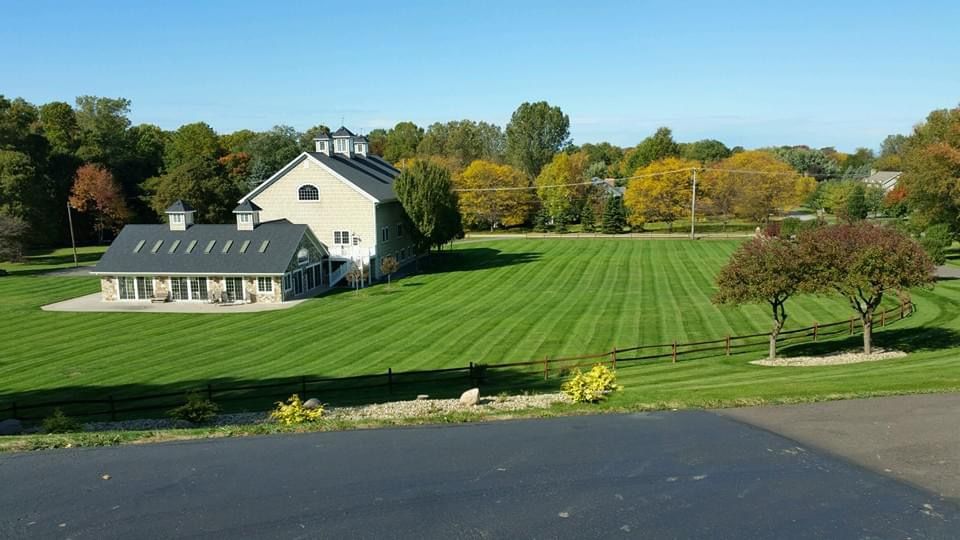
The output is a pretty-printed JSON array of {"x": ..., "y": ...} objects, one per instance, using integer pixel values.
[
  {"x": 592, "y": 386},
  {"x": 293, "y": 412}
]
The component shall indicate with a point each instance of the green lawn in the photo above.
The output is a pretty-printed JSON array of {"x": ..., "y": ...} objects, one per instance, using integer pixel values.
[
  {"x": 489, "y": 302},
  {"x": 44, "y": 260}
]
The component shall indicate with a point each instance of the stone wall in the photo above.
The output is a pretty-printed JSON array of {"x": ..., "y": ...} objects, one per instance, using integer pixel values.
[
  {"x": 108, "y": 289},
  {"x": 161, "y": 287},
  {"x": 215, "y": 288}
]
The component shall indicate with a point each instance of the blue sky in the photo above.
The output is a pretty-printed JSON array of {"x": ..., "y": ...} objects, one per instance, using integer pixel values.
[{"x": 844, "y": 74}]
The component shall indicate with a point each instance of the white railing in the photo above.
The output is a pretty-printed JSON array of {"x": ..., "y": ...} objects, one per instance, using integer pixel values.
[{"x": 340, "y": 273}]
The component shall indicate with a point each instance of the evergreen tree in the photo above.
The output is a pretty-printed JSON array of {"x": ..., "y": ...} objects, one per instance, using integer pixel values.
[
  {"x": 587, "y": 218},
  {"x": 541, "y": 222},
  {"x": 426, "y": 193},
  {"x": 614, "y": 217},
  {"x": 857, "y": 203}
]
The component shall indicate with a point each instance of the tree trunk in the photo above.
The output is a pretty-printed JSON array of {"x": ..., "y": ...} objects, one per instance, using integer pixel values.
[
  {"x": 773, "y": 346},
  {"x": 867, "y": 321}
]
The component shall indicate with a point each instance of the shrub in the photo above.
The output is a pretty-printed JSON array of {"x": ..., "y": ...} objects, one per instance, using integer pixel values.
[
  {"x": 60, "y": 423},
  {"x": 592, "y": 386},
  {"x": 936, "y": 239},
  {"x": 196, "y": 410},
  {"x": 293, "y": 412}
]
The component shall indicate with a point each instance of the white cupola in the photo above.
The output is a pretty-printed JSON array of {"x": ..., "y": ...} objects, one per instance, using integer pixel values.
[
  {"x": 360, "y": 146},
  {"x": 180, "y": 216},
  {"x": 248, "y": 216},
  {"x": 324, "y": 144},
  {"x": 343, "y": 142}
]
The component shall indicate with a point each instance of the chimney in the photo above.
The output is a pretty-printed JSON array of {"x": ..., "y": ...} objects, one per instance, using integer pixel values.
[
  {"x": 248, "y": 216},
  {"x": 180, "y": 216},
  {"x": 323, "y": 144}
]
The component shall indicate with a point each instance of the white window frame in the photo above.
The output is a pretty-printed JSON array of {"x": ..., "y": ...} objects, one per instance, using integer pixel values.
[
  {"x": 192, "y": 294},
  {"x": 385, "y": 234},
  {"x": 300, "y": 194},
  {"x": 344, "y": 238},
  {"x": 287, "y": 282},
  {"x": 176, "y": 218},
  {"x": 243, "y": 288},
  {"x": 260, "y": 281},
  {"x": 244, "y": 217},
  {"x": 136, "y": 289}
]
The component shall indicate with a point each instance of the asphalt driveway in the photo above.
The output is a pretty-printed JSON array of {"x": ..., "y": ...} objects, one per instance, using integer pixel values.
[{"x": 687, "y": 474}]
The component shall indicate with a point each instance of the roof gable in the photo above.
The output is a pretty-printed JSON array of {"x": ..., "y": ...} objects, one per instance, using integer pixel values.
[{"x": 371, "y": 176}]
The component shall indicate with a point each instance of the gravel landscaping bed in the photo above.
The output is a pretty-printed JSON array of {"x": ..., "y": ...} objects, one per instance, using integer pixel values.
[
  {"x": 831, "y": 360},
  {"x": 376, "y": 411}
]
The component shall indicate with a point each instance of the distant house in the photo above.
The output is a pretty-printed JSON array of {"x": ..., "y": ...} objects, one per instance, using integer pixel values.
[
  {"x": 883, "y": 179},
  {"x": 296, "y": 234},
  {"x": 609, "y": 186}
]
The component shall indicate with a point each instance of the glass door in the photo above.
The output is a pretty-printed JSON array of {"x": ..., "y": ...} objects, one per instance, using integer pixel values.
[{"x": 233, "y": 289}]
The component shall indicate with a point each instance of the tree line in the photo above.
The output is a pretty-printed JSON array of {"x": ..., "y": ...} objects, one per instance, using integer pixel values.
[{"x": 113, "y": 172}]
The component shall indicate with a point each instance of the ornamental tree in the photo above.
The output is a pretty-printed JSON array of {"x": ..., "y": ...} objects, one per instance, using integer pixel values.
[
  {"x": 862, "y": 262},
  {"x": 763, "y": 270}
]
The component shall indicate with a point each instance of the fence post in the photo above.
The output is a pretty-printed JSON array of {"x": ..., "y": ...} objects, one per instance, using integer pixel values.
[
  {"x": 210, "y": 391},
  {"x": 113, "y": 409},
  {"x": 546, "y": 366},
  {"x": 902, "y": 304},
  {"x": 674, "y": 351},
  {"x": 614, "y": 353},
  {"x": 851, "y": 326},
  {"x": 816, "y": 328},
  {"x": 727, "y": 344},
  {"x": 883, "y": 318},
  {"x": 470, "y": 374},
  {"x": 390, "y": 380},
  {"x": 303, "y": 385}
]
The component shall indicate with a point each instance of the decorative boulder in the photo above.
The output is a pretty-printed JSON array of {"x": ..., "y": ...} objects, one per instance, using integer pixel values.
[
  {"x": 470, "y": 397},
  {"x": 312, "y": 403},
  {"x": 11, "y": 426},
  {"x": 421, "y": 397}
]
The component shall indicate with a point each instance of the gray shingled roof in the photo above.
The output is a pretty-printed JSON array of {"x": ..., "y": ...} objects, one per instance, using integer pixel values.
[
  {"x": 180, "y": 206},
  {"x": 885, "y": 179},
  {"x": 281, "y": 237},
  {"x": 343, "y": 132},
  {"x": 247, "y": 206},
  {"x": 371, "y": 174}
]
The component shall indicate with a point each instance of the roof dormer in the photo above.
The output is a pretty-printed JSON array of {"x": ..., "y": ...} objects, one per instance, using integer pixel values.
[
  {"x": 248, "y": 216},
  {"x": 360, "y": 145},
  {"x": 323, "y": 144},
  {"x": 180, "y": 215},
  {"x": 343, "y": 142}
]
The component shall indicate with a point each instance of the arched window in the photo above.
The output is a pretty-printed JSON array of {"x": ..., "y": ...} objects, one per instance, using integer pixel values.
[{"x": 308, "y": 193}]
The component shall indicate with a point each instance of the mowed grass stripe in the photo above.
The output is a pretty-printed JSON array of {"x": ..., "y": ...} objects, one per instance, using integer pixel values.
[{"x": 483, "y": 303}]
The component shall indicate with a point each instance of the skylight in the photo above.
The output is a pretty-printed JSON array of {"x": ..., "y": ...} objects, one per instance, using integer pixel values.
[
  {"x": 244, "y": 246},
  {"x": 156, "y": 247},
  {"x": 226, "y": 247},
  {"x": 190, "y": 246},
  {"x": 139, "y": 246},
  {"x": 263, "y": 246},
  {"x": 209, "y": 247},
  {"x": 176, "y": 244}
]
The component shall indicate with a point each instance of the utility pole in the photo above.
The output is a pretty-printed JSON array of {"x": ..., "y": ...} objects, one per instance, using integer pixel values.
[
  {"x": 73, "y": 241},
  {"x": 693, "y": 208}
]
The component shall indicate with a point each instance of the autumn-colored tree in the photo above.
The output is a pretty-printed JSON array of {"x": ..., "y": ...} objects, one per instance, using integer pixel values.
[
  {"x": 95, "y": 191},
  {"x": 931, "y": 172},
  {"x": 506, "y": 200},
  {"x": 719, "y": 192},
  {"x": 763, "y": 270},
  {"x": 767, "y": 184},
  {"x": 661, "y": 191},
  {"x": 389, "y": 265},
  {"x": 895, "y": 201},
  {"x": 862, "y": 262},
  {"x": 553, "y": 183}
]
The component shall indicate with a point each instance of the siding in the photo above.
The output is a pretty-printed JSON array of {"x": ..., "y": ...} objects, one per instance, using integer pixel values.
[
  {"x": 341, "y": 207},
  {"x": 389, "y": 215}
]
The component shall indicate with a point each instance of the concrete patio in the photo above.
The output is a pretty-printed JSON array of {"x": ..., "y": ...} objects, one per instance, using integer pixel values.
[{"x": 93, "y": 303}]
